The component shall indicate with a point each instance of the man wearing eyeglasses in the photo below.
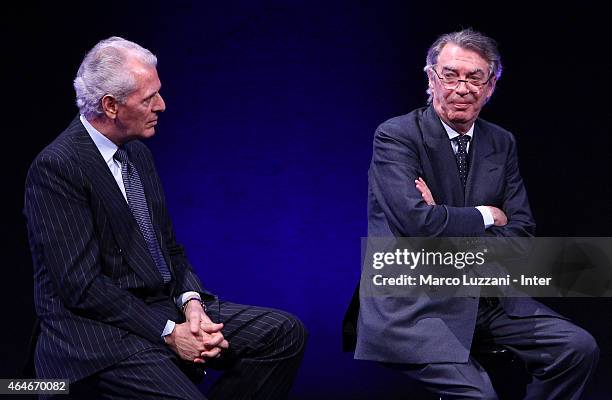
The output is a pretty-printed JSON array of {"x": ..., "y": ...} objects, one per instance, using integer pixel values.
[{"x": 441, "y": 171}]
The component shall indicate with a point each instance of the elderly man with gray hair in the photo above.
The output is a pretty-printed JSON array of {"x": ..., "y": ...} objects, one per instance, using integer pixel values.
[
  {"x": 441, "y": 171},
  {"x": 121, "y": 309}
]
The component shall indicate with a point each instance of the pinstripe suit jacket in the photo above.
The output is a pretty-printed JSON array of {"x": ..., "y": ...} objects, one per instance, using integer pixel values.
[{"x": 98, "y": 294}]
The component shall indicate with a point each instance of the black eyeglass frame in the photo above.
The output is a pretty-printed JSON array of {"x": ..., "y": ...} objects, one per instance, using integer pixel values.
[{"x": 478, "y": 86}]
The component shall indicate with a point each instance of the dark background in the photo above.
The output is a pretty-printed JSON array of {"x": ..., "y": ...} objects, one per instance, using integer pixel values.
[{"x": 266, "y": 141}]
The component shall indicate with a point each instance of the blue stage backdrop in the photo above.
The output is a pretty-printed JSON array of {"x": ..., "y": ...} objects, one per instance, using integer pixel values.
[
  {"x": 265, "y": 144},
  {"x": 264, "y": 150}
]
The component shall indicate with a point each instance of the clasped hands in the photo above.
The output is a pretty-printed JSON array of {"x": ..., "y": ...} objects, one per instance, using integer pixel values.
[
  {"x": 198, "y": 338},
  {"x": 499, "y": 217}
]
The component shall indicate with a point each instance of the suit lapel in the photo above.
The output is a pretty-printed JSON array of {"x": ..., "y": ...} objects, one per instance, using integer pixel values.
[
  {"x": 442, "y": 160},
  {"x": 482, "y": 164},
  {"x": 123, "y": 225}
]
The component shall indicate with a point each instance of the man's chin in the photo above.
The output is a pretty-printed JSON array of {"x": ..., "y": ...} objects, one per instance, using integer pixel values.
[
  {"x": 460, "y": 117},
  {"x": 148, "y": 132}
]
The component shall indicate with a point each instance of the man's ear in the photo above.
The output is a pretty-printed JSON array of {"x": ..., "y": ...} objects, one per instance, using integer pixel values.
[
  {"x": 109, "y": 106},
  {"x": 430, "y": 78}
]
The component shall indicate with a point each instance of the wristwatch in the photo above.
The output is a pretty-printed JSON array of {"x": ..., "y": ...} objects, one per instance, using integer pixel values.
[{"x": 190, "y": 299}]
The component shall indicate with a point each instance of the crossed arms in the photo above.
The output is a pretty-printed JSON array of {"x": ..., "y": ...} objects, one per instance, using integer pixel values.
[{"x": 410, "y": 210}]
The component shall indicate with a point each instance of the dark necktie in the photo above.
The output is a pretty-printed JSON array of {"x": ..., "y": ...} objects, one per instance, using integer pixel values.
[
  {"x": 462, "y": 157},
  {"x": 138, "y": 205}
]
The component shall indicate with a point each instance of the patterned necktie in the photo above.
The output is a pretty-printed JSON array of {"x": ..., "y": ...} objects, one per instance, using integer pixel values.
[
  {"x": 462, "y": 159},
  {"x": 138, "y": 206}
]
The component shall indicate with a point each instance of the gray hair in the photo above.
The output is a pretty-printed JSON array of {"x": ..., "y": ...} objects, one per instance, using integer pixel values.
[
  {"x": 103, "y": 72},
  {"x": 470, "y": 40}
]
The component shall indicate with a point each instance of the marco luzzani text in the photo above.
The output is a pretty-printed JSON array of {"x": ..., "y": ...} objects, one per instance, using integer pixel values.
[{"x": 458, "y": 260}]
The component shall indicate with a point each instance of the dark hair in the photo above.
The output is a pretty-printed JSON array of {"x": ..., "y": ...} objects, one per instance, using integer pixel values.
[{"x": 471, "y": 40}]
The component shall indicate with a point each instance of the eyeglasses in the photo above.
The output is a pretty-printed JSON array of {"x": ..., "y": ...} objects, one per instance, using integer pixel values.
[{"x": 451, "y": 80}]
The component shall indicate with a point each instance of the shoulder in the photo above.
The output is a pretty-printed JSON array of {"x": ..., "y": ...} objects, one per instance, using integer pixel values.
[
  {"x": 496, "y": 133},
  {"x": 405, "y": 128},
  {"x": 61, "y": 152},
  {"x": 403, "y": 124}
]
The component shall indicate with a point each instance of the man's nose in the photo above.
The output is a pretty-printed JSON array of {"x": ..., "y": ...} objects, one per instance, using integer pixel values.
[
  {"x": 160, "y": 104},
  {"x": 462, "y": 88}
]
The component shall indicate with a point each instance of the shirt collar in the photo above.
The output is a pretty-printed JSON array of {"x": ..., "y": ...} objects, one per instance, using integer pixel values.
[
  {"x": 105, "y": 146},
  {"x": 453, "y": 133}
]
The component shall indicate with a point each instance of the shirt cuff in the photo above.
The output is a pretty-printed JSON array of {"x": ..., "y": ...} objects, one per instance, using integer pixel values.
[
  {"x": 168, "y": 329},
  {"x": 487, "y": 216},
  {"x": 180, "y": 300}
]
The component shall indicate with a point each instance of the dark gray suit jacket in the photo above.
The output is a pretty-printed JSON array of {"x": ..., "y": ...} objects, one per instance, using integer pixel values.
[
  {"x": 98, "y": 294},
  {"x": 426, "y": 330}
]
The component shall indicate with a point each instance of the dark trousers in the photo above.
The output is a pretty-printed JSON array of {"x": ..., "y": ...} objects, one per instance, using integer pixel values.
[
  {"x": 266, "y": 348},
  {"x": 559, "y": 355}
]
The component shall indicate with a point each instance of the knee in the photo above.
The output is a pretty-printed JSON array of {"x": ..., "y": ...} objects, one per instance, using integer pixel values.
[
  {"x": 582, "y": 346},
  {"x": 297, "y": 331},
  {"x": 294, "y": 330}
]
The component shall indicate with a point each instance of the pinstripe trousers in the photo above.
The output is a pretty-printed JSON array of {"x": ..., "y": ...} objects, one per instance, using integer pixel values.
[{"x": 266, "y": 348}]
